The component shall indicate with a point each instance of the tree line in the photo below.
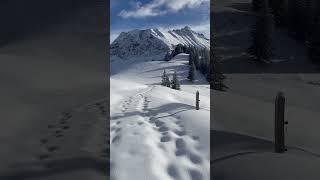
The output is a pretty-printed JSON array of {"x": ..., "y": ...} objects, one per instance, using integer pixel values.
[
  {"x": 300, "y": 17},
  {"x": 174, "y": 83},
  {"x": 199, "y": 60}
]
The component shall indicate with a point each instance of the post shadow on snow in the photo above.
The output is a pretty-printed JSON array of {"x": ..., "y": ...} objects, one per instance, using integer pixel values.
[
  {"x": 178, "y": 107},
  {"x": 184, "y": 82},
  {"x": 180, "y": 73},
  {"x": 48, "y": 168},
  {"x": 232, "y": 30},
  {"x": 226, "y": 145},
  {"x": 161, "y": 69},
  {"x": 222, "y": 141},
  {"x": 21, "y": 19}
]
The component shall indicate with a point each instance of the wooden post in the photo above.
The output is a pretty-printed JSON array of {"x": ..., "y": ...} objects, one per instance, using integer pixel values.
[
  {"x": 279, "y": 123},
  {"x": 197, "y": 100}
]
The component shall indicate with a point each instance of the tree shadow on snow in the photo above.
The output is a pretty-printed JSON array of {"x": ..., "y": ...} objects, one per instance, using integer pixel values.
[{"x": 157, "y": 112}]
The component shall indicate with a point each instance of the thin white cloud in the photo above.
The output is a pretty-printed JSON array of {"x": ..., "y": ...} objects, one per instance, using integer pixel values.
[{"x": 159, "y": 7}]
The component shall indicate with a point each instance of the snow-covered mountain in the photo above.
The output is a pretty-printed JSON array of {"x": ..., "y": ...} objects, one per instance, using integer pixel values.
[{"x": 153, "y": 44}]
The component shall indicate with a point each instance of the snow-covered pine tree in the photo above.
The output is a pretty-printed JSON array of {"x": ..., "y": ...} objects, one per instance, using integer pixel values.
[
  {"x": 192, "y": 69},
  {"x": 167, "y": 80},
  {"x": 175, "y": 84},
  {"x": 163, "y": 78}
]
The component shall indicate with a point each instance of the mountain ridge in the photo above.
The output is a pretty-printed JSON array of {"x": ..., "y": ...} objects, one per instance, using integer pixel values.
[{"x": 154, "y": 44}]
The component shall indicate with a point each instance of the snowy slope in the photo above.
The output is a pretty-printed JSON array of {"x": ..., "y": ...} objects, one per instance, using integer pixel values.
[
  {"x": 153, "y": 44},
  {"x": 156, "y": 133}
]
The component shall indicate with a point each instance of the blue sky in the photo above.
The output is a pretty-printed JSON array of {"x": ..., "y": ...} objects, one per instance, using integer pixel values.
[{"x": 126, "y": 15}]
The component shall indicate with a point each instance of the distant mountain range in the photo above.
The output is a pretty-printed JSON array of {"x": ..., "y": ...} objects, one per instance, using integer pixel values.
[{"x": 153, "y": 44}]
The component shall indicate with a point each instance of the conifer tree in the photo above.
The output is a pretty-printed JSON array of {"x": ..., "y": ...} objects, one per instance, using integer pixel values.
[
  {"x": 192, "y": 70},
  {"x": 175, "y": 84},
  {"x": 192, "y": 55},
  {"x": 167, "y": 57},
  {"x": 196, "y": 58},
  {"x": 167, "y": 80},
  {"x": 163, "y": 78}
]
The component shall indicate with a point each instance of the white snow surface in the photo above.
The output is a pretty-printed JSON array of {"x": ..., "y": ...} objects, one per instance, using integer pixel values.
[
  {"x": 156, "y": 133},
  {"x": 153, "y": 44}
]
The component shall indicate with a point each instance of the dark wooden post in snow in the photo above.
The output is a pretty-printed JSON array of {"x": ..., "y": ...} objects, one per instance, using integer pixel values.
[
  {"x": 197, "y": 100},
  {"x": 279, "y": 123}
]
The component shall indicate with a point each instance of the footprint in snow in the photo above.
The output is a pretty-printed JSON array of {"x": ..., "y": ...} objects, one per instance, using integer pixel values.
[
  {"x": 112, "y": 128},
  {"x": 159, "y": 123},
  {"x": 180, "y": 133},
  {"x": 195, "y": 175},
  {"x": 179, "y": 123},
  {"x": 196, "y": 138},
  {"x": 163, "y": 129},
  {"x": 118, "y": 130},
  {"x": 152, "y": 119},
  {"x": 182, "y": 151},
  {"x": 195, "y": 159},
  {"x": 165, "y": 138},
  {"x": 165, "y": 133},
  {"x": 173, "y": 172},
  {"x": 116, "y": 139},
  {"x": 181, "y": 147}
]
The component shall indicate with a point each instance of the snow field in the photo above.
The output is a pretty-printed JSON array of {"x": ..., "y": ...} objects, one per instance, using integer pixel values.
[{"x": 156, "y": 133}]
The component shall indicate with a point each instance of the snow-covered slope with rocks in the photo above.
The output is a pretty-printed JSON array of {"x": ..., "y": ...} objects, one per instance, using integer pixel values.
[{"x": 153, "y": 44}]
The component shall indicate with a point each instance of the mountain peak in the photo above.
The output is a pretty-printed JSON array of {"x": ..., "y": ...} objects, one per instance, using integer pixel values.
[
  {"x": 154, "y": 43},
  {"x": 187, "y": 28}
]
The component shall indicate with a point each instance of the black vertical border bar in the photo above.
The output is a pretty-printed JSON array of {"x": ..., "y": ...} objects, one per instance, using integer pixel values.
[
  {"x": 211, "y": 84},
  {"x": 107, "y": 55}
]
